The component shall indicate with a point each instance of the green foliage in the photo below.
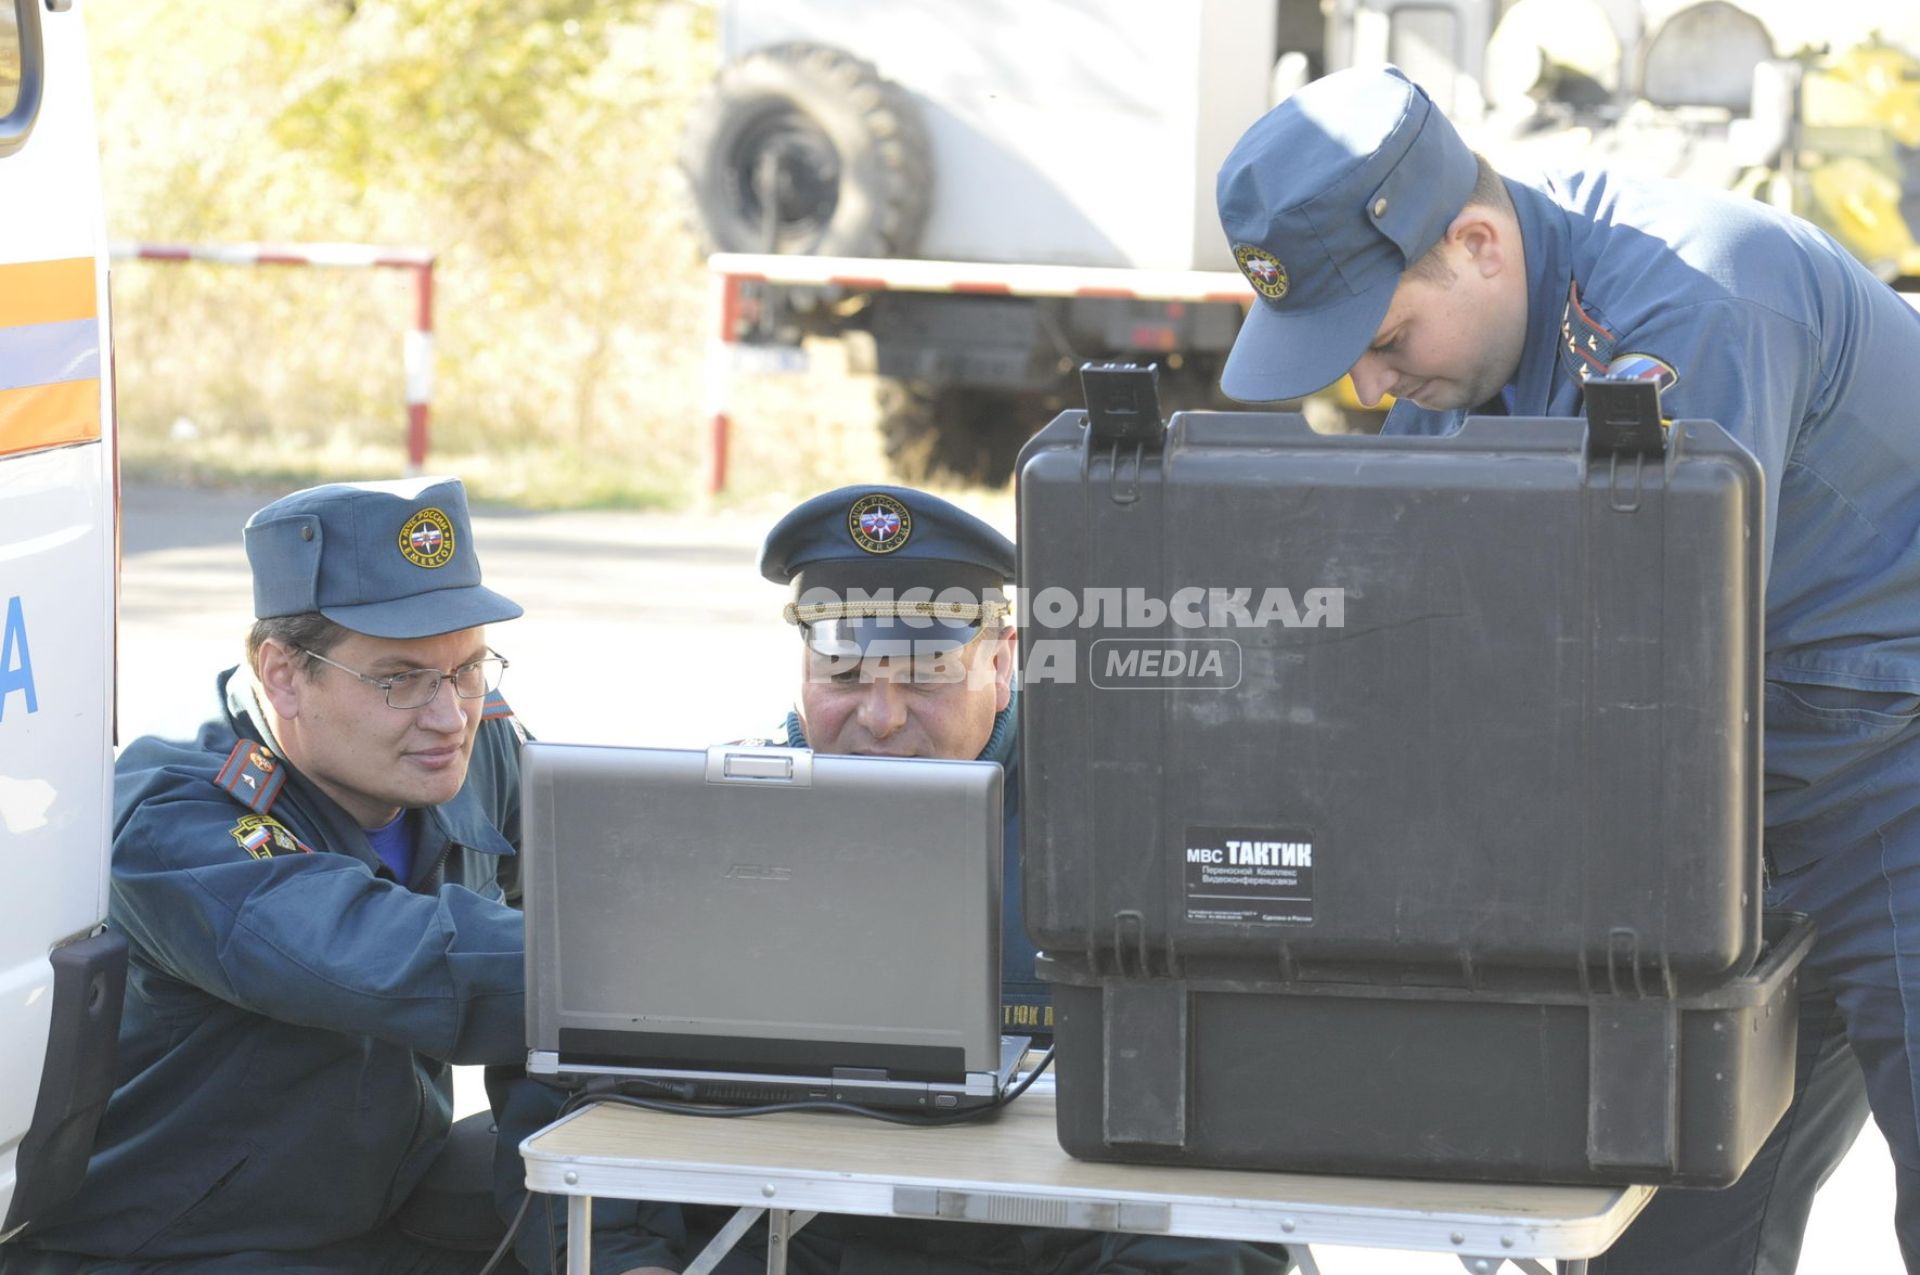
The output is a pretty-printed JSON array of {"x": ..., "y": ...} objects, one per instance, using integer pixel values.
[
  {"x": 438, "y": 95},
  {"x": 528, "y": 143}
]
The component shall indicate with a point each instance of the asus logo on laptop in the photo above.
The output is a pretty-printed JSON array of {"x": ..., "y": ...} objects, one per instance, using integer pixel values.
[{"x": 759, "y": 872}]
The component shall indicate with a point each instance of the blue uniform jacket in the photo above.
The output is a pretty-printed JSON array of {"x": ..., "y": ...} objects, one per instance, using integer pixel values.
[
  {"x": 291, "y": 1011},
  {"x": 1776, "y": 333},
  {"x": 1026, "y": 1006}
]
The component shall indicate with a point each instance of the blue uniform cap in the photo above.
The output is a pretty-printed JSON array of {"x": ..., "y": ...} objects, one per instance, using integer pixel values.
[
  {"x": 1326, "y": 200},
  {"x": 388, "y": 559},
  {"x": 887, "y": 570}
]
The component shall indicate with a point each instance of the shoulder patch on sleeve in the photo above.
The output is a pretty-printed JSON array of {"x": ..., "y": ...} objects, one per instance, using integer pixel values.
[
  {"x": 495, "y": 705},
  {"x": 1644, "y": 367},
  {"x": 253, "y": 775},
  {"x": 262, "y": 835}
]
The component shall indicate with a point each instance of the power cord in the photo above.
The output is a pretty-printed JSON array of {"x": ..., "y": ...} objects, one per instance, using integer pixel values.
[
  {"x": 513, "y": 1229},
  {"x": 615, "y": 1092}
]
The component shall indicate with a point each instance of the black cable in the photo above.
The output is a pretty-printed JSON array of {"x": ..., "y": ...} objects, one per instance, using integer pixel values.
[
  {"x": 513, "y": 1229},
  {"x": 933, "y": 1119}
]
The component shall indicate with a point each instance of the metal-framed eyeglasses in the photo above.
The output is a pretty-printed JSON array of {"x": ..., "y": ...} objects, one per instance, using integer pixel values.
[{"x": 417, "y": 688}]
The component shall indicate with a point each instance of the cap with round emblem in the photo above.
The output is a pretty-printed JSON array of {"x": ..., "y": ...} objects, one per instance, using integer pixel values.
[
  {"x": 388, "y": 559},
  {"x": 871, "y": 564}
]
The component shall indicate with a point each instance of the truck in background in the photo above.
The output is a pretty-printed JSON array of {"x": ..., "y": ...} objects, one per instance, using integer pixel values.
[
  {"x": 61, "y": 975},
  {"x": 980, "y": 206},
  {"x": 977, "y": 207}
]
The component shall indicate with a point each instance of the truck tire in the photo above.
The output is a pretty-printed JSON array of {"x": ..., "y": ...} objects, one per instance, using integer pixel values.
[
  {"x": 949, "y": 434},
  {"x": 799, "y": 148}
]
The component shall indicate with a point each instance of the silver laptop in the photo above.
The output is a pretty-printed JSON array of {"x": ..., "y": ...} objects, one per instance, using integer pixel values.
[{"x": 748, "y": 924}]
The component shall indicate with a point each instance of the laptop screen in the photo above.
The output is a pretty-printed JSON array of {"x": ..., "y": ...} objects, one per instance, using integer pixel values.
[{"x": 761, "y": 909}]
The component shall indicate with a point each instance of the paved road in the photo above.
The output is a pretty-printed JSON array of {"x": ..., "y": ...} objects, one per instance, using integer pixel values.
[{"x": 657, "y": 629}]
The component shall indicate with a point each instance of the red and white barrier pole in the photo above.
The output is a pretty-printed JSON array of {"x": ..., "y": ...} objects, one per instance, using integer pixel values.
[
  {"x": 724, "y": 303},
  {"x": 418, "y": 356},
  {"x": 417, "y": 348}
]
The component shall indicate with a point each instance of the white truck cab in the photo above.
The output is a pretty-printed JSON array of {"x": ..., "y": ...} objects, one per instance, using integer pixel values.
[{"x": 61, "y": 974}]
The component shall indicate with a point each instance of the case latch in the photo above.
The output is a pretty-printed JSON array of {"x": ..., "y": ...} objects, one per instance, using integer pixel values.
[
  {"x": 1623, "y": 417},
  {"x": 1123, "y": 402}
]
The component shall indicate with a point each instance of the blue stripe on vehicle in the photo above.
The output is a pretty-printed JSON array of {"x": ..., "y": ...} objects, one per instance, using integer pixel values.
[{"x": 48, "y": 353}]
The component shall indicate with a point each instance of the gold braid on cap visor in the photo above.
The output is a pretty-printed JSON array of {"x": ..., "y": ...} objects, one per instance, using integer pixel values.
[{"x": 968, "y": 612}]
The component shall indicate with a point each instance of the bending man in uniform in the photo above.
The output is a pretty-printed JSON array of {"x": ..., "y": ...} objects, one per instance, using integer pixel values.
[
  {"x": 1382, "y": 247},
  {"x": 312, "y": 894}
]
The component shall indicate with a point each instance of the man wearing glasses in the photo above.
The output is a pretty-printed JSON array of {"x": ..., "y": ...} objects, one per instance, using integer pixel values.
[{"x": 312, "y": 893}]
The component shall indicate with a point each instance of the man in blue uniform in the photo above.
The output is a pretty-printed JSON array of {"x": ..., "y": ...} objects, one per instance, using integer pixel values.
[
  {"x": 1381, "y": 246},
  {"x": 312, "y": 893},
  {"x": 902, "y": 604},
  {"x": 879, "y": 678}
]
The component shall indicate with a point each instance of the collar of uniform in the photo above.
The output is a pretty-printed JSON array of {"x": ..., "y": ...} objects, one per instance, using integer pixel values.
[
  {"x": 796, "y": 732},
  {"x": 464, "y": 822},
  {"x": 1548, "y": 245},
  {"x": 1006, "y": 731},
  {"x": 235, "y": 688},
  {"x": 241, "y": 694},
  {"x": 1002, "y": 744}
]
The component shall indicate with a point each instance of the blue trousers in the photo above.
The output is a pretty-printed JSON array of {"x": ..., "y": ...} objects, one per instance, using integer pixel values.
[
  {"x": 833, "y": 1245},
  {"x": 384, "y": 1252},
  {"x": 1859, "y": 1044}
]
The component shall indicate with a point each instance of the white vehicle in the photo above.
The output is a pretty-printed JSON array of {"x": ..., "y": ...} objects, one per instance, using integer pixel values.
[{"x": 61, "y": 975}]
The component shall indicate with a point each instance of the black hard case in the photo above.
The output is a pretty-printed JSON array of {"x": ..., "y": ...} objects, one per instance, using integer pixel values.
[
  {"x": 1514, "y": 794},
  {"x": 1532, "y": 744}
]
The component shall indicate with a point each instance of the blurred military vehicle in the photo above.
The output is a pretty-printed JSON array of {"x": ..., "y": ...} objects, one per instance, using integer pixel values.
[{"x": 1815, "y": 112}]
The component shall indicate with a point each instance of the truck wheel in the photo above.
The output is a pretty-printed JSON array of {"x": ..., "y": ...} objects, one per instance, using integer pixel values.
[
  {"x": 952, "y": 435},
  {"x": 799, "y": 148}
]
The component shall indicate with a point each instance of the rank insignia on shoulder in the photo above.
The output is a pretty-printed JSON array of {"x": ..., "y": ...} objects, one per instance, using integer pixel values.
[
  {"x": 262, "y": 836},
  {"x": 1586, "y": 342},
  {"x": 495, "y": 705},
  {"x": 253, "y": 775},
  {"x": 1644, "y": 367}
]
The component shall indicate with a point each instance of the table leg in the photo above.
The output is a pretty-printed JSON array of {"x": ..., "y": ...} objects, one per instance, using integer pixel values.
[
  {"x": 1526, "y": 1265},
  {"x": 722, "y": 1243},
  {"x": 1302, "y": 1259},
  {"x": 579, "y": 1235},
  {"x": 779, "y": 1230},
  {"x": 782, "y": 1226}
]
